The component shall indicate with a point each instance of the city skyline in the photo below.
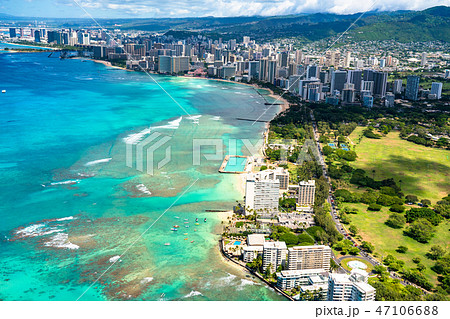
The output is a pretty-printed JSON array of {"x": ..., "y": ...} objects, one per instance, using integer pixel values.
[{"x": 199, "y": 8}]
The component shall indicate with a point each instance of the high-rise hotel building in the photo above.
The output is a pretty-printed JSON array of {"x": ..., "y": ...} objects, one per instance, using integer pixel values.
[
  {"x": 261, "y": 194},
  {"x": 306, "y": 193},
  {"x": 309, "y": 257}
]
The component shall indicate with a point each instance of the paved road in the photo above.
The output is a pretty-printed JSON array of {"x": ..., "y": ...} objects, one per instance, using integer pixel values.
[{"x": 330, "y": 199}]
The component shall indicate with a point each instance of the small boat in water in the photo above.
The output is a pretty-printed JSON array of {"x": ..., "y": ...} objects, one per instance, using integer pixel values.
[
  {"x": 185, "y": 234},
  {"x": 196, "y": 219},
  {"x": 176, "y": 226},
  {"x": 3, "y": 91},
  {"x": 192, "y": 241},
  {"x": 186, "y": 239},
  {"x": 205, "y": 220},
  {"x": 197, "y": 224},
  {"x": 167, "y": 244},
  {"x": 187, "y": 226},
  {"x": 173, "y": 229}
]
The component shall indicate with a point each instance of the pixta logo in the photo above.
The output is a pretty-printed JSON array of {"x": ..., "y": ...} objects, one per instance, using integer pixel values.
[{"x": 143, "y": 151}]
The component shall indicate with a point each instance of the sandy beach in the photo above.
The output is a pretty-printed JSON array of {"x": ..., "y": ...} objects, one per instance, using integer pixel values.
[
  {"x": 224, "y": 215},
  {"x": 105, "y": 63},
  {"x": 284, "y": 106}
]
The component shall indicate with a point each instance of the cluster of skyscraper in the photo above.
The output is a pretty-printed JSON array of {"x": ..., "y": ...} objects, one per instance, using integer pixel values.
[
  {"x": 335, "y": 77},
  {"x": 62, "y": 37}
]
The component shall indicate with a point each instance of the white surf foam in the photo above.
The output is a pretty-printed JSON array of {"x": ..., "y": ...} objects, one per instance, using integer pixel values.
[
  {"x": 114, "y": 259},
  {"x": 215, "y": 118},
  {"x": 171, "y": 125},
  {"x": 195, "y": 118},
  {"x": 146, "y": 280},
  {"x": 143, "y": 189},
  {"x": 31, "y": 231},
  {"x": 193, "y": 293},
  {"x": 103, "y": 160},
  {"x": 61, "y": 240},
  {"x": 64, "y": 218},
  {"x": 37, "y": 230},
  {"x": 70, "y": 181},
  {"x": 227, "y": 280},
  {"x": 86, "y": 175},
  {"x": 245, "y": 282},
  {"x": 136, "y": 137}
]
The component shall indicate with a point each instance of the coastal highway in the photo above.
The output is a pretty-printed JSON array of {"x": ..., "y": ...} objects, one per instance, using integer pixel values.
[{"x": 334, "y": 213}]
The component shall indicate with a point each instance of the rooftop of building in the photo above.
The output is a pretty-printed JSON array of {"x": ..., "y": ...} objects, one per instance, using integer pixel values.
[
  {"x": 253, "y": 248},
  {"x": 318, "y": 279},
  {"x": 364, "y": 287},
  {"x": 309, "y": 247},
  {"x": 301, "y": 273},
  {"x": 341, "y": 278},
  {"x": 307, "y": 183},
  {"x": 256, "y": 240},
  {"x": 275, "y": 244}
]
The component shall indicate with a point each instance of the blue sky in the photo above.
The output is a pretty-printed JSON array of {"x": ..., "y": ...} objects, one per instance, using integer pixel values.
[{"x": 199, "y": 8}]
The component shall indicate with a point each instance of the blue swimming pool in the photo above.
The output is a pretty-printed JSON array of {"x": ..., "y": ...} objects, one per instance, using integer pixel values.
[
  {"x": 237, "y": 243},
  {"x": 236, "y": 164}
]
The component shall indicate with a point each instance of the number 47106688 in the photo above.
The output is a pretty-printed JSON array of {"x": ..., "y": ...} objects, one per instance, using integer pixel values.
[{"x": 410, "y": 310}]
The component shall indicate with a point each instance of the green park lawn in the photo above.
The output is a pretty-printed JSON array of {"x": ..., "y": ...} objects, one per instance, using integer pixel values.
[
  {"x": 371, "y": 228},
  {"x": 423, "y": 171}
]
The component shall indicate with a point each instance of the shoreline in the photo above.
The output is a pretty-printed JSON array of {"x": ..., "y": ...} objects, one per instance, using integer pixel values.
[
  {"x": 31, "y": 46},
  {"x": 239, "y": 266},
  {"x": 105, "y": 63},
  {"x": 284, "y": 106}
]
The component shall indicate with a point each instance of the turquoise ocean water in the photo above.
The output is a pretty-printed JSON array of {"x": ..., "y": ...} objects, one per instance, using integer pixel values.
[{"x": 69, "y": 204}]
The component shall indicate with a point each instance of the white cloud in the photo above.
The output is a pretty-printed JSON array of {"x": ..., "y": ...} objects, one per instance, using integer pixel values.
[{"x": 227, "y": 8}]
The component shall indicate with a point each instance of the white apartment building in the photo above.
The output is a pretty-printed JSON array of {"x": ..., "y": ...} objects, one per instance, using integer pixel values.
[
  {"x": 274, "y": 254},
  {"x": 280, "y": 174},
  {"x": 306, "y": 193},
  {"x": 309, "y": 257},
  {"x": 261, "y": 194},
  {"x": 317, "y": 285},
  {"x": 289, "y": 279},
  {"x": 353, "y": 287},
  {"x": 255, "y": 247},
  {"x": 249, "y": 253}
]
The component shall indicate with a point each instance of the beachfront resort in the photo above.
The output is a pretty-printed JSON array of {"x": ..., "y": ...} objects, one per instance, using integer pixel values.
[{"x": 302, "y": 271}]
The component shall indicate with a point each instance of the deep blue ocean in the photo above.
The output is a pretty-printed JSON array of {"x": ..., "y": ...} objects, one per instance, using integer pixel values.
[{"x": 70, "y": 206}]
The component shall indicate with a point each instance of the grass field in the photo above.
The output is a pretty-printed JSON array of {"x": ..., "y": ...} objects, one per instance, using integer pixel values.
[
  {"x": 386, "y": 239},
  {"x": 423, "y": 171}
]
